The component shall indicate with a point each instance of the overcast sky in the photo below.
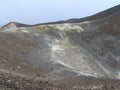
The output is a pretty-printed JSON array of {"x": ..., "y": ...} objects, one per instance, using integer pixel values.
[{"x": 38, "y": 11}]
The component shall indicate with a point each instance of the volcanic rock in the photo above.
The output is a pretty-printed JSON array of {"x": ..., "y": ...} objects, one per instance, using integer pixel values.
[{"x": 54, "y": 54}]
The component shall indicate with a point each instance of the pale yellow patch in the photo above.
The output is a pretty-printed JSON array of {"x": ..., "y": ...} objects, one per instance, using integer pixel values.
[{"x": 25, "y": 31}]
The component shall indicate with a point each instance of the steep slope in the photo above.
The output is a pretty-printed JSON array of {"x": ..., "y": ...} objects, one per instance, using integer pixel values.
[
  {"x": 97, "y": 16},
  {"x": 61, "y": 50}
]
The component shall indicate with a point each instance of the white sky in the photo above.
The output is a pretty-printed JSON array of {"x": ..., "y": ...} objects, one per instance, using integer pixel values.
[{"x": 38, "y": 11}]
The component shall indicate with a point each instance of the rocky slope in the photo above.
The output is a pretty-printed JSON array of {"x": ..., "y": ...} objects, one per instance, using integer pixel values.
[
  {"x": 11, "y": 25},
  {"x": 65, "y": 49}
]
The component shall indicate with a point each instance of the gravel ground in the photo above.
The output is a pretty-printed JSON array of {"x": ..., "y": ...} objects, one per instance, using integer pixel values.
[{"x": 11, "y": 82}]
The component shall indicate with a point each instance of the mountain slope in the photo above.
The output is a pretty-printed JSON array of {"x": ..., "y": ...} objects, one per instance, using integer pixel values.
[
  {"x": 63, "y": 49},
  {"x": 12, "y": 25}
]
